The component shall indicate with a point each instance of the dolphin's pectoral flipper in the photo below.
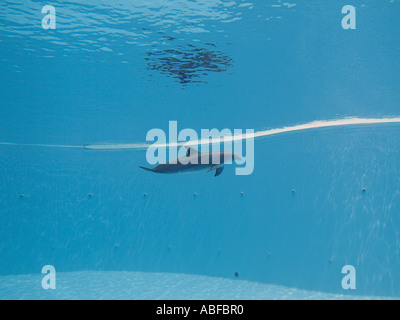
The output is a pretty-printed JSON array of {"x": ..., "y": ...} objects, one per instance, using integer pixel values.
[
  {"x": 218, "y": 171},
  {"x": 213, "y": 167},
  {"x": 190, "y": 151},
  {"x": 147, "y": 169}
]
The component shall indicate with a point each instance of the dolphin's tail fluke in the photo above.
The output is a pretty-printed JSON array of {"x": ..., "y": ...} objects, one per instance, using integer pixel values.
[{"x": 147, "y": 169}]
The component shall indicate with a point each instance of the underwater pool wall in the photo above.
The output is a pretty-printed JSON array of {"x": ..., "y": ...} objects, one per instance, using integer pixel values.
[{"x": 316, "y": 201}]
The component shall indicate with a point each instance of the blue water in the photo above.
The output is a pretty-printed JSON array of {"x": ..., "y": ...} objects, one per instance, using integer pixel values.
[{"x": 113, "y": 70}]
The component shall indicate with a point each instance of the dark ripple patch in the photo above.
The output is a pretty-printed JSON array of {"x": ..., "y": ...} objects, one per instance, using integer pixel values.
[{"x": 188, "y": 63}]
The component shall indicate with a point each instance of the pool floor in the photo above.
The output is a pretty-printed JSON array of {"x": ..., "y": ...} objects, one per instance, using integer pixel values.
[{"x": 96, "y": 285}]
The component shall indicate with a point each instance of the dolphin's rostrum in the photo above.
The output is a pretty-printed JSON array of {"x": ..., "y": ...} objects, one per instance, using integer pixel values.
[{"x": 196, "y": 161}]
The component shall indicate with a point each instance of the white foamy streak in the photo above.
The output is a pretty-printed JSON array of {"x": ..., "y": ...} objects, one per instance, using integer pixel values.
[
  {"x": 38, "y": 145},
  {"x": 306, "y": 126},
  {"x": 257, "y": 134}
]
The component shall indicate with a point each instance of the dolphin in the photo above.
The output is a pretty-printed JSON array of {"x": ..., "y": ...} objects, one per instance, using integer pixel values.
[{"x": 192, "y": 162}]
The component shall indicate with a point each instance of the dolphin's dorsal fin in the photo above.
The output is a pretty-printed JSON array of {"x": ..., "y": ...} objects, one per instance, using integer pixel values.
[{"x": 190, "y": 151}]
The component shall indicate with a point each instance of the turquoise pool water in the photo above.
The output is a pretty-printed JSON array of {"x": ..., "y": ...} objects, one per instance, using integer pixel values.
[{"x": 318, "y": 199}]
